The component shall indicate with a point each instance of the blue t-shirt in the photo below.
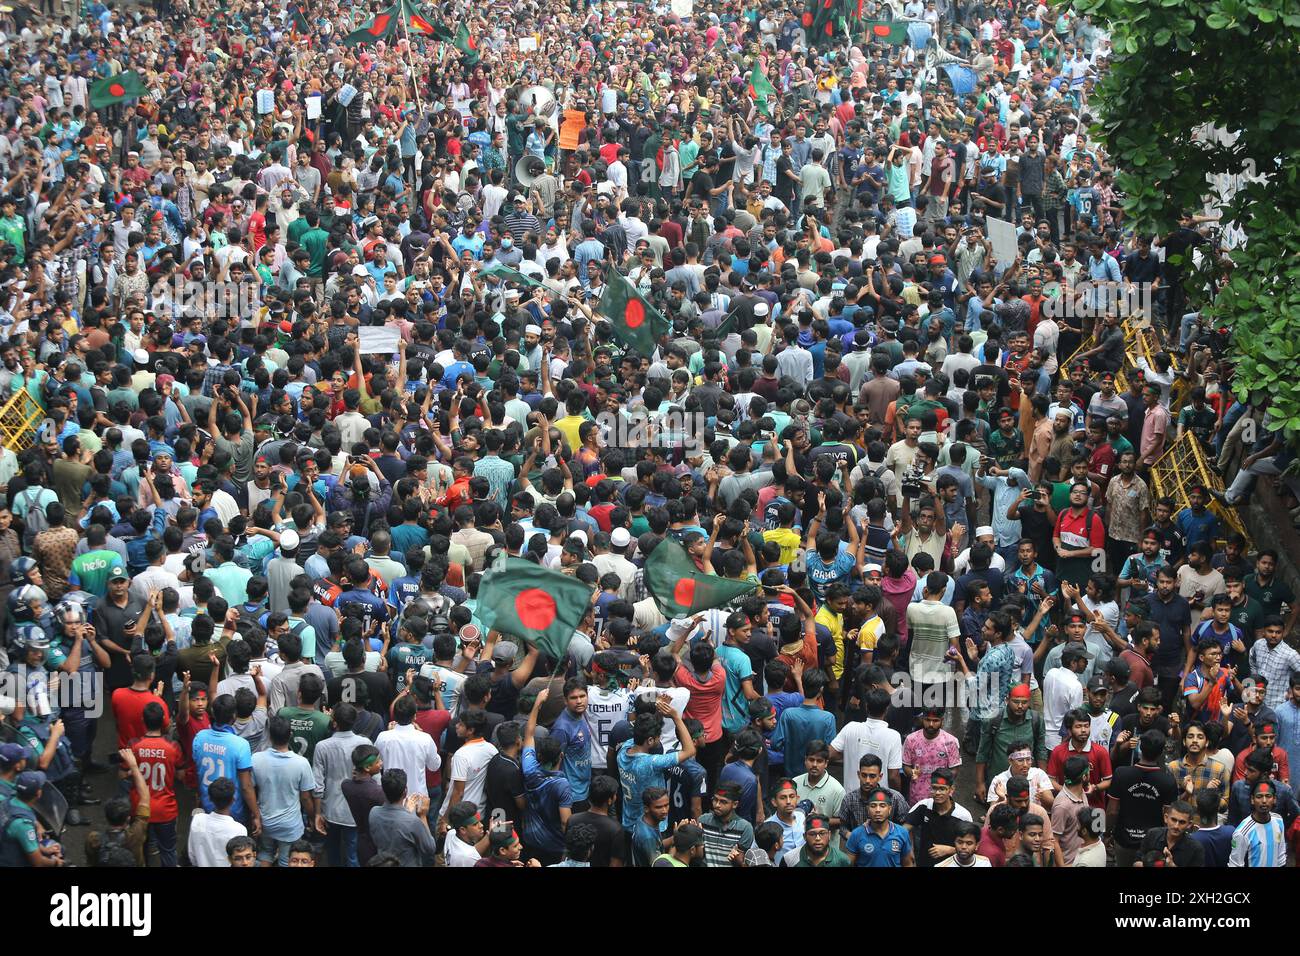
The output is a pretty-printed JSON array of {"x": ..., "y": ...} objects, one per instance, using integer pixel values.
[
  {"x": 685, "y": 781},
  {"x": 874, "y": 850},
  {"x": 742, "y": 775},
  {"x": 647, "y": 842},
  {"x": 735, "y": 708},
  {"x": 795, "y": 728},
  {"x": 635, "y": 773},
  {"x": 1197, "y": 529},
  {"x": 546, "y": 792},
  {"x": 822, "y": 574},
  {"x": 281, "y": 777},
  {"x": 220, "y": 752},
  {"x": 573, "y": 733}
]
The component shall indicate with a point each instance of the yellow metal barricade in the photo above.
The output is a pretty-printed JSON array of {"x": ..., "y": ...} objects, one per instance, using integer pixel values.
[
  {"x": 19, "y": 418},
  {"x": 1182, "y": 466}
]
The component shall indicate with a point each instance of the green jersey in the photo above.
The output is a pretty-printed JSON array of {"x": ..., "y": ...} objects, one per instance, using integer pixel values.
[
  {"x": 309, "y": 727},
  {"x": 90, "y": 571}
]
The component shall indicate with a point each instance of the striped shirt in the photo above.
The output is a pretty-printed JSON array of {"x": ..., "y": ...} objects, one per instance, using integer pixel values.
[
  {"x": 720, "y": 839},
  {"x": 1259, "y": 844}
]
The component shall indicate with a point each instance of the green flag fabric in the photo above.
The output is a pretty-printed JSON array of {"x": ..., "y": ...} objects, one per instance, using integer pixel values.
[
  {"x": 415, "y": 21},
  {"x": 636, "y": 323},
  {"x": 680, "y": 588},
  {"x": 116, "y": 89},
  {"x": 467, "y": 44},
  {"x": 533, "y": 603},
  {"x": 885, "y": 31},
  {"x": 381, "y": 26},
  {"x": 506, "y": 274},
  {"x": 761, "y": 89}
]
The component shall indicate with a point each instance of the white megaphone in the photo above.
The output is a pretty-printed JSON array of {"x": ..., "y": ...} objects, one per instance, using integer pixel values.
[
  {"x": 541, "y": 102},
  {"x": 529, "y": 169}
]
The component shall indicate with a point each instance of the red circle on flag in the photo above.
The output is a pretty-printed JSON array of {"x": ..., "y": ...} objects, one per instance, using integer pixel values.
[
  {"x": 684, "y": 592},
  {"x": 633, "y": 313},
  {"x": 536, "y": 609},
  {"x": 117, "y": 89},
  {"x": 806, "y": 20},
  {"x": 380, "y": 25},
  {"x": 880, "y": 30}
]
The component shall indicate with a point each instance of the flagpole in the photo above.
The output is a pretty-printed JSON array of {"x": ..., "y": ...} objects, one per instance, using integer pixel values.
[{"x": 410, "y": 61}]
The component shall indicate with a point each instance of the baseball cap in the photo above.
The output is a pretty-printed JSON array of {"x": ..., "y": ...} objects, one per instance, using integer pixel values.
[
  {"x": 29, "y": 783},
  {"x": 1096, "y": 682},
  {"x": 116, "y": 572},
  {"x": 506, "y": 652},
  {"x": 12, "y": 754},
  {"x": 620, "y": 538}
]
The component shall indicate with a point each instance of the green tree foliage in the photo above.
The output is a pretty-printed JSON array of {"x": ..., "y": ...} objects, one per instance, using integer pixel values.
[{"x": 1233, "y": 64}]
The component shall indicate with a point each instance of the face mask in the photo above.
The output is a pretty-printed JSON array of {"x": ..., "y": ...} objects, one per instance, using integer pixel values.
[{"x": 507, "y": 243}]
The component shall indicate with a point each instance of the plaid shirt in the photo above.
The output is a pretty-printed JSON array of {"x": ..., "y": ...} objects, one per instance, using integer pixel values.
[
  {"x": 1276, "y": 665},
  {"x": 1209, "y": 769},
  {"x": 213, "y": 377}
]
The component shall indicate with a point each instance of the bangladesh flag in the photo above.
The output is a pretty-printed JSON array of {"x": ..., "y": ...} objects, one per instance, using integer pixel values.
[
  {"x": 443, "y": 32},
  {"x": 379, "y": 27},
  {"x": 680, "y": 588},
  {"x": 760, "y": 88},
  {"x": 506, "y": 274},
  {"x": 883, "y": 31},
  {"x": 636, "y": 323},
  {"x": 116, "y": 89},
  {"x": 416, "y": 22},
  {"x": 467, "y": 44},
  {"x": 823, "y": 21},
  {"x": 533, "y": 603}
]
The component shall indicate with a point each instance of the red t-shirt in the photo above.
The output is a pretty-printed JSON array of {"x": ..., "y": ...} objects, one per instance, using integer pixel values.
[
  {"x": 1073, "y": 531},
  {"x": 159, "y": 759},
  {"x": 187, "y": 732},
  {"x": 705, "y": 704},
  {"x": 991, "y": 847},
  {"x": 1281, "y": 766},
  {"x": 128, "y": 713},
  {"x": 1098, "y": 767},
  {"x": 435, "y": 724}
]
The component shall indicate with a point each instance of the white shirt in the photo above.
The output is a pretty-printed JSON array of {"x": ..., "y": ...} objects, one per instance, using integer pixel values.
[
  {"x": 153, "y": 579},
  {"x": 862, "y": 737},
  {"x": 605, "y": 708},
  {"x": 1062, "y": 692},
  {"x": 411, "y": 749},
  {"x": 459, "y": 853},
  {"x": 469, "y": 764},
  {"x": 1039, "y": 782},
  {"x": 679, "y": 697},
  {"x": 209, "y": 833},
  {"x": 454, "y": 681}
]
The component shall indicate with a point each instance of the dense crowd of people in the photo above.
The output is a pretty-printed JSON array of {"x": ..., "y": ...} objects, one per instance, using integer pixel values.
[{"x": 310, "y": 331}]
